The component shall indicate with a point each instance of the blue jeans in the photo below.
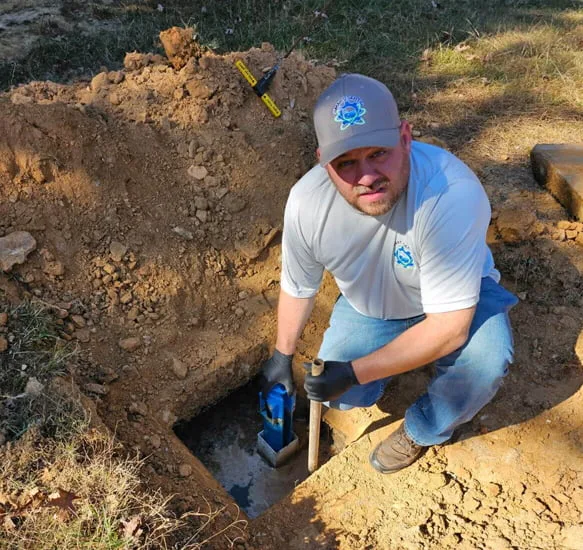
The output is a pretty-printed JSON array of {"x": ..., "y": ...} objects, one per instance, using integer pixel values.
[{"x": 465, "y": 380}]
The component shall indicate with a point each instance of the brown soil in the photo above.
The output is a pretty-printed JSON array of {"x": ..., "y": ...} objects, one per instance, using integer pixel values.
[{"x": 156, "y": 198}]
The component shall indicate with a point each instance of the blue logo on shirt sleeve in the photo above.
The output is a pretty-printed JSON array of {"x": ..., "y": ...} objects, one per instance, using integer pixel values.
[{"x": 404, "y": 257}]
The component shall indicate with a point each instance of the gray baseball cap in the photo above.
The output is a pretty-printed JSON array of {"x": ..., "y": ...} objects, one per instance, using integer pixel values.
[{"x": 355, "y": 111}]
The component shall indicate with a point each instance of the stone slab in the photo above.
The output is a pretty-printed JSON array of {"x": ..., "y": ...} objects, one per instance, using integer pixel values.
[{"x": 559, "y": 168}]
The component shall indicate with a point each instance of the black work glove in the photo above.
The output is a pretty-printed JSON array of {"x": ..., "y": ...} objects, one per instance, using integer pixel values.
[
  {"x": 338, "y": 376},
  {"x": 277, "y": 370}
]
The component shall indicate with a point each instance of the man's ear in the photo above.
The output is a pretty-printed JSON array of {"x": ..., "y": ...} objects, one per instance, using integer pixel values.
[
  {"x": 405, "y": 135},
  {"x": 318, "y": 154}
]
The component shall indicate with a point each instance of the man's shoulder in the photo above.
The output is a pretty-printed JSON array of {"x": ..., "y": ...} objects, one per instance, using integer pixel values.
[
  {"x": 312, "y": 186},
  {"x": 435, "y": 157},
  {"x": 434, "y": 169}
]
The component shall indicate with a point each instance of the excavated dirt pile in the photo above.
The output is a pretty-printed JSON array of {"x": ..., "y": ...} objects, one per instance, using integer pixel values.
[{"x": 155, "y": 195}]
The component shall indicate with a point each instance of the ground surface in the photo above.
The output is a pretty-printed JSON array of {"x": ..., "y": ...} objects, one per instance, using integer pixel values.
[{"x": 156, "y": 198}]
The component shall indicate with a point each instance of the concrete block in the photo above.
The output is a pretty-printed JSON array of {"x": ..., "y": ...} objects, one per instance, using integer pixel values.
[{"x": 559, "y": 168}]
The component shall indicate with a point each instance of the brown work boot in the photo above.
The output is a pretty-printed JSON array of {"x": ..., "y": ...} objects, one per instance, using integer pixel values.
[{"x": 395, "y": 452}]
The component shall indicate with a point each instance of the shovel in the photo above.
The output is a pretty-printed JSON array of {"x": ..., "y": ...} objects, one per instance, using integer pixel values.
[{"x": 315, "y": 418}]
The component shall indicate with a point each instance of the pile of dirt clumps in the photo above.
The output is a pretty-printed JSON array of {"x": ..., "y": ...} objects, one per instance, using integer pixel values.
[
  {"x": 150, "y": 183},
  {"x": 155, "y": 195}
]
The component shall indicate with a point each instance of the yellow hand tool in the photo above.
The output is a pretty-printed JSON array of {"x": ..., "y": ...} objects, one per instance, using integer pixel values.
[{"x": 260, "y": 87}]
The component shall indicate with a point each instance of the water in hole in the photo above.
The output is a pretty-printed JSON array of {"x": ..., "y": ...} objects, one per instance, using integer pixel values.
[{"x": 224, "y": 438}]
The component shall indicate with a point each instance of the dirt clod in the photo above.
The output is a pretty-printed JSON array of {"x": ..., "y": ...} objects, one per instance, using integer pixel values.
[
  {"x": 179, "y": 369},
  {"x": 82, "y": 334},
  {"x": 54, "y": 269},
  {"x": 516, "y": 225},
  {"x": 97, "y": 389},
  {"x": 180, "y": 45}
]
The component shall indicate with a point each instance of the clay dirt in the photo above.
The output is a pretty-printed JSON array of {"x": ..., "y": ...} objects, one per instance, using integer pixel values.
[{"x": 155, "y": 195}]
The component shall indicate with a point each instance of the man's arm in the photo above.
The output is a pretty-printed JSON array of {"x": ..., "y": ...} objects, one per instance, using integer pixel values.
[
  {"x": 436, "y": 336},
  {"x": 292, "y": 316}
]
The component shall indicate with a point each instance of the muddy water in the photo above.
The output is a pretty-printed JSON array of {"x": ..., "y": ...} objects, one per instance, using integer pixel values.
[{"x": 224, "y": 439}]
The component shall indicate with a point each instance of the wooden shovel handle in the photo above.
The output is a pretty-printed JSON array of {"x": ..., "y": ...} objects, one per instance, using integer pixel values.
[
  {"x": 317, "y": 367},
  {"x": 315, "y": 417}
]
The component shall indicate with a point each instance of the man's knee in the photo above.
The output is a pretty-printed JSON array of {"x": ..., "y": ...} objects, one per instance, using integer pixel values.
[
  {"x": 489, "y": 366},
  {"x": 474, "y": 369},
  {"x": 490, "y": 350}
]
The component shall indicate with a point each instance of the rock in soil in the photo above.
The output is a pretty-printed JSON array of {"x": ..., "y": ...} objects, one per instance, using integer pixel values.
[
  {"x": 197, "y": 172},
  {"x": 97, "y": 389},
  {"x": 179, "y": 369},
  {"x": 130, "y": 344},
  {"x": 33, "y": 387},
  {"x": 185, "y": 470},
  {"x": 78, "y": 321},
  {"x": 184, "y": 233},
  {"x": 117, "y": 251},
  {"x": 14, "y": 249}
]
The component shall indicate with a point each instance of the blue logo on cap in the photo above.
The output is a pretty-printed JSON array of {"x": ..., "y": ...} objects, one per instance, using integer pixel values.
[{"x": 349, "y": 111}]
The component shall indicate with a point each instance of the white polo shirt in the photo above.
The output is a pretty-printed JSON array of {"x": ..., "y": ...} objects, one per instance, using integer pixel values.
[{"x": 426, "y": 255}]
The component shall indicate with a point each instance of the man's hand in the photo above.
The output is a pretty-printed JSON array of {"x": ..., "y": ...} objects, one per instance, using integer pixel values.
[
  {"x": 277, "y": 370},
  {"x": 338, "y": 377}
]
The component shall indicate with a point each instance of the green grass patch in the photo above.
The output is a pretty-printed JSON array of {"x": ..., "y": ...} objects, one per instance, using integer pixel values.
[
  {"x": 35, "y": 351},
  {"x": 34, "y": 357},
  {"x": 384, "y": 39},
  {"x": 545, "y": 59}
]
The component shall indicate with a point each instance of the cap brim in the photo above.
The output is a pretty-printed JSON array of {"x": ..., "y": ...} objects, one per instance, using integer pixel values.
[{"x": 379, "y": 138}]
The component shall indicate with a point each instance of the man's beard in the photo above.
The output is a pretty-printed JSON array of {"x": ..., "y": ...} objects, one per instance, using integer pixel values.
[
  {"x": 394, "y": 189},
  {"x": 385, "y": 202}
]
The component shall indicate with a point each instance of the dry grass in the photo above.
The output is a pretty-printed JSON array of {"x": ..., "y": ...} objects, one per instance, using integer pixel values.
[
  {"x": 62, "y": 483},
  {"x": 76, "y": 492},
  {"x": 81, "y": 491},
  {"x": 544, "y": 64}
]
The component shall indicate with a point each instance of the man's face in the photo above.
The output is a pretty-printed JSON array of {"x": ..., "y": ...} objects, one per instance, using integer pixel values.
[{"x": 372, "y": 179}]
